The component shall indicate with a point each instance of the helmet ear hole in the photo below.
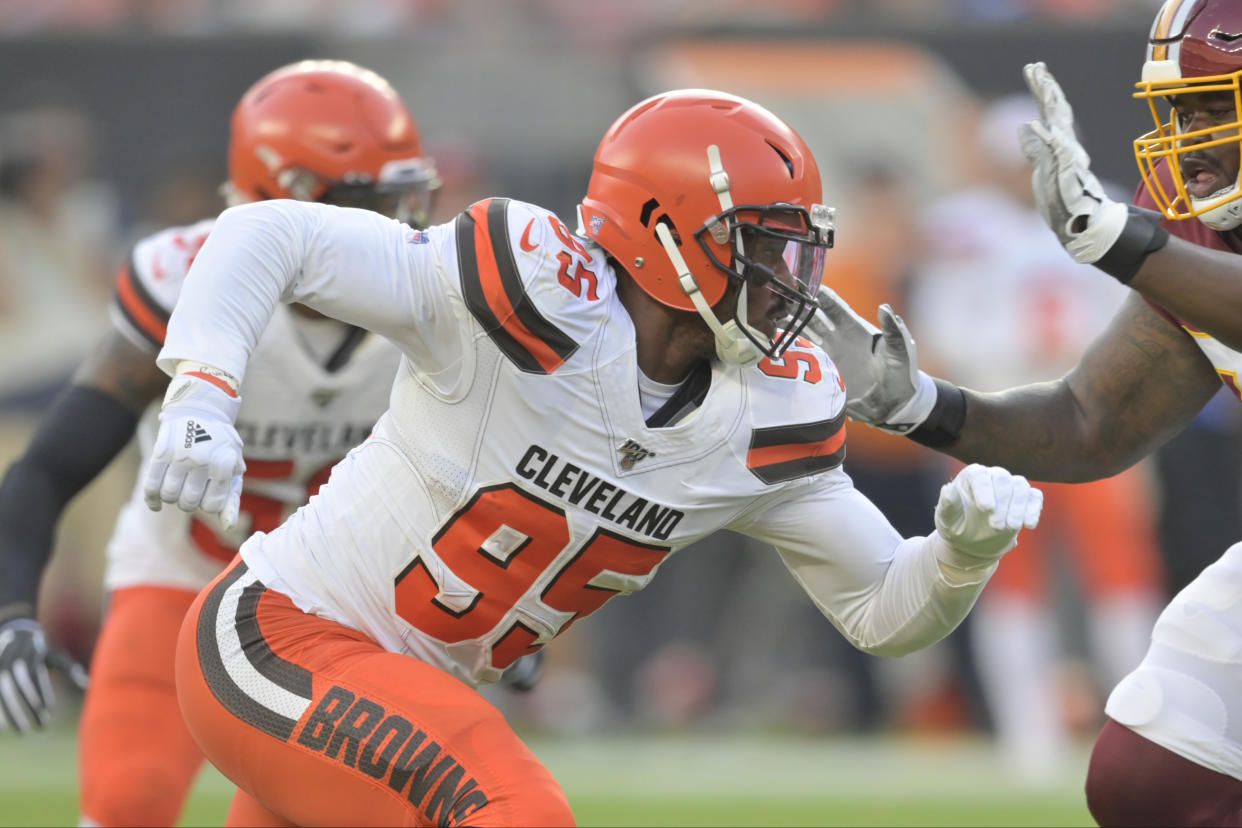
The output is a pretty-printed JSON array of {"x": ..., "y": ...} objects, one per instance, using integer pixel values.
[
  {"x": 672, "y": 228},
  {"x": 649, "y": 207},
  {"x": 788, "y": 163}
]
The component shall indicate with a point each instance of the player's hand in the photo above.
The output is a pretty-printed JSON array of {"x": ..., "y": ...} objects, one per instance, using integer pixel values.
[
  {"x": 26, "y": 696},
  {"x": 196, "y": 461},
  {"x": 524, "y": 674},
  {"x": 1094, "y": 229},
  {"x": 883, "y": 384},
  {"x": 980, "y": 513}
]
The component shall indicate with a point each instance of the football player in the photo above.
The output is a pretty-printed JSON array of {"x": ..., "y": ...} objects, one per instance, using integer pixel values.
[
  {"x": 326, "y": 131},
  {"x": 1170, "y": 751},
  {"x": 571, "y": 409}
]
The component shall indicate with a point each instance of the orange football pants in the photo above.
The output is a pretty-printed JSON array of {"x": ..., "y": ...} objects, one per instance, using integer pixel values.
[
  {"x": 1109, "y": 526},
  {"x": 319, "y": 725},
  {"x": 136, "y": 758}
]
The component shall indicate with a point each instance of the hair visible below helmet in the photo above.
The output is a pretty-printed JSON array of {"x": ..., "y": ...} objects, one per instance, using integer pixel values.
[
  {"x": 329, "y": 130},
  {"x": 1195, "y": 46},
  {"x": 683, "y": 182}
]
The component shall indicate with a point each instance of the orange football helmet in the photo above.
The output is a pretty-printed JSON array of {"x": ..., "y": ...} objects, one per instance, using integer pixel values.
[
  {"x": 693, "y": 189},
  {"x": 331, "y": 131},
  {"x": 1195, "y": 46}
]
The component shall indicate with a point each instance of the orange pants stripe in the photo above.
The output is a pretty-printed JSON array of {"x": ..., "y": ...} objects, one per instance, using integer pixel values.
[
  {"x": 136, "y": 758},
  {"x": 319, "y": 725}
]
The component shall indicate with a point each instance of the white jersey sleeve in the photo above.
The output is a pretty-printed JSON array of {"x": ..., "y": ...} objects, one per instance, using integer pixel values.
[
  {"x": 888, "y": 595},
  {"x": 354, "y": 265}
]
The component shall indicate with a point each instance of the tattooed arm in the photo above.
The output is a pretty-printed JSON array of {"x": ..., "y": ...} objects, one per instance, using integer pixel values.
[{"x": 1138, "y": 384}]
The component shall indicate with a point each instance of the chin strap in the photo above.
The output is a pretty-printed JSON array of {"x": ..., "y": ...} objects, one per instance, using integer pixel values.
[
  {"x": 735, "y": 339},
  {"x": 732, "y": 345}
]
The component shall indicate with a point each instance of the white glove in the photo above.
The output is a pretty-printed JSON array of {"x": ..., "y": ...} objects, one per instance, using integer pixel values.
[
  {"x": 883, "y": 384},
  {"x": 1094, "y": 229},
  {"x": 196, "y": 462},
  {"x": 980, "y": 513}
]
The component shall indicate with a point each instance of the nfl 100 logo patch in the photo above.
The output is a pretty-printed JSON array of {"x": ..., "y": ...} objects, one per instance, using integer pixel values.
[{"x": 631, "y": 453}]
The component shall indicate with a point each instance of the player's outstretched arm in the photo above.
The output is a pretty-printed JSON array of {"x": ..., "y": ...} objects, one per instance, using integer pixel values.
[
  {"x": 1083, "y": 426},
  {"x": 85, "y": 427},
  {"x": 886, "y": 594}
]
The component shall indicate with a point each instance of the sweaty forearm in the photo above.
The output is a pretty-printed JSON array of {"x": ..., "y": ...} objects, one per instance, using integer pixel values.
[{"x": 78, "y": 437}]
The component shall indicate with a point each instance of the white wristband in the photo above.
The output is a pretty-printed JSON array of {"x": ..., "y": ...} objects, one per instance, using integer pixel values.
[
  {"x": 911, "y": 415},
  {"x": 223, "y": 380}
]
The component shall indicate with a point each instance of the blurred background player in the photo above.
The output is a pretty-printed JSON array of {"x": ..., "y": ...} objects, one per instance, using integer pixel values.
[
  {"x": 995, "y": 301},
  {"x": 327, "y": 131}
]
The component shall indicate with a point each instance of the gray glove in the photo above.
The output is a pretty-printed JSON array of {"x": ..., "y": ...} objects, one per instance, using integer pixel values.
[
  {"x": 883, "y": 384},
  {"x": 25, "y": 690},
  {"x": 1096, "y": 230}
]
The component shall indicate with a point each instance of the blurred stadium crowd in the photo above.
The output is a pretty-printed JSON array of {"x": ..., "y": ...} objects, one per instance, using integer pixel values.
[
  {"x": 362, "y": 18},
  {"x": 918, "y": 148}
]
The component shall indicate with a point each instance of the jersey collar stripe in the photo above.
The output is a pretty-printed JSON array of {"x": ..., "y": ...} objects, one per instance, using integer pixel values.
[
  {"x": 689, "y": 396},
  {"x": 139, "y": 307},
  {"x": 345, "y": 350},
  {"x": 271, "y": 699},
  {"x": 493, "y": 289}
]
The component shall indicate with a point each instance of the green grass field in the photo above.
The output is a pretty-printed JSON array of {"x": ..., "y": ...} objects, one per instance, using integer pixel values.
[{"x": 676, "y": 781}]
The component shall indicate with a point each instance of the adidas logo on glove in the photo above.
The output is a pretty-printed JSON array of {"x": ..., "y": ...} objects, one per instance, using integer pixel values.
[{"x": 195, "y": 433}]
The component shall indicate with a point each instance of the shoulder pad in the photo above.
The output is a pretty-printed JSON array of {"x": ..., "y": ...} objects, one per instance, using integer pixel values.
[
  {"x": 530, "y": 283},
  {"x": 149, "y": 281}
]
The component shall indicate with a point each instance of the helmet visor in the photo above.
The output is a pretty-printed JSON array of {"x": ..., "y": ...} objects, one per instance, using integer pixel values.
[
  {"x": 778, "y": 247},
  {"x": 405, "y": 191}
]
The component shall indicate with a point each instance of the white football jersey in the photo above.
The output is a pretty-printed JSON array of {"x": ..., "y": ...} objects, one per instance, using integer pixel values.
[
  {"x": 513, "y": 485},
  {"x": 298, "y": 417}
]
